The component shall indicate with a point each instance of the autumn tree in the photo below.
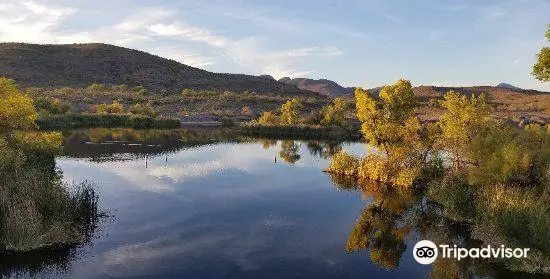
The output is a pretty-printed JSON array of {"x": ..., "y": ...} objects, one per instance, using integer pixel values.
[
  {"x": 17, "y": 114},
  {"x": 334, "y": 114},
  {"x": 16, "y": 110},
  {"x": 391, "y": 126},
  {"x": 381, "y": 121},
  {"x": 541, "y": 70},
  {"x": 268, "y": 118},
  {"x": 462, "y": 121},
  {"x": 290, "y": 112}
]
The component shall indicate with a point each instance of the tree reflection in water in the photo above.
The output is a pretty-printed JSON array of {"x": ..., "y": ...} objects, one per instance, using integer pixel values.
[
  {"x": 395, "y": 215},
  {"x": 323, "y": 150},
  {"x": 289, "y": 151}
]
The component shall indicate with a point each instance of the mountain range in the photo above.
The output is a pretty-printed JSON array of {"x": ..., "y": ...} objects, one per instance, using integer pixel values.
[{"x": 79, "y": 65}]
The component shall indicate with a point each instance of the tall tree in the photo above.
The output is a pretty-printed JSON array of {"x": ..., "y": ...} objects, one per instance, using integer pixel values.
[
  {"x": 541, "y": 70},
  {"x": 381, "y": 122}
]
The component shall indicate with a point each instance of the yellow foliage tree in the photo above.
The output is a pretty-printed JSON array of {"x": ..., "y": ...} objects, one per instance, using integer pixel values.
[
  {"x": 268, "y": 118},
  {"x": 290, "y": 112},
  {"x": 380, "y": 123},
  {"x": 114, "y": 108},
  {"x": 16, "y": 110},
  {"x": 393, "y": 128},
  {"x": 462, "y": 120},
  {"x": 334, "y": 114}
]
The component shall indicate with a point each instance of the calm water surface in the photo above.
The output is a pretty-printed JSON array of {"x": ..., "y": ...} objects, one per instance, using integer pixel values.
[{"x": 217, "y": 208}]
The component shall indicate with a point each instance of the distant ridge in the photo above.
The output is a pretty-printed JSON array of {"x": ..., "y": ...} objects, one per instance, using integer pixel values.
[
  {"x": 78, "y": 65},
  {"x": 322, "y": 86},
  {"x": 506, "y": 85}
]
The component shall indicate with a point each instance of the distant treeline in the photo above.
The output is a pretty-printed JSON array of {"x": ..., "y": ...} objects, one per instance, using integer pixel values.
[{"x": 71, "y": 121}]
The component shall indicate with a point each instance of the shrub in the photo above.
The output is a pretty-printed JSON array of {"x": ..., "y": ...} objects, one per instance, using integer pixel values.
[
  {"x": 52, "y": 106},
  {"x": 268, "y": 118},
  {"x": 344, "y": 163},
  {"x": 520, "y": 215},
  {"x": 246, "y": 111},
  {"x": 121, "y": 88},
  {"x": 96, "y": 87},
  {"x": 227, "y": 95},
  {"x": 114, "y": 108},
  {"x": 146, "y": 110},
  {"x": 393, "y": 170},
  {"x": 140, "y": 90}
]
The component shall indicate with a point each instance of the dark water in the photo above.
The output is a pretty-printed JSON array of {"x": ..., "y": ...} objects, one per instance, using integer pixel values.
[{"x": 207, "y": 206}]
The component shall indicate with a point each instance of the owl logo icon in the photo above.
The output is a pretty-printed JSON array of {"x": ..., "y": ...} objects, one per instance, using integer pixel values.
[{"x": 425, "y": 252}]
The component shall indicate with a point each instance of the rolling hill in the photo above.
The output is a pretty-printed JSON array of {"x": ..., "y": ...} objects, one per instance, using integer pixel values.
[{"x": 78, "y": 65}]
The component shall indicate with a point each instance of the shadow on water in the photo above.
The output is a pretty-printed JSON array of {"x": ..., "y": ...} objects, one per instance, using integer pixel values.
[{"x": 54, "y": 260}]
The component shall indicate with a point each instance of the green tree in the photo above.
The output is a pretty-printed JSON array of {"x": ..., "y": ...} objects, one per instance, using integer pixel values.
[
  {"x": 541, "y": 70},
  {"x": 382, "y": 122},
  {"x": 16, "y": 110},
  {"x": 290, "y": 112}
]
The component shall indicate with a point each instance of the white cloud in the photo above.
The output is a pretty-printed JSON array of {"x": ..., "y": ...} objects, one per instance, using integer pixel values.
[
  {"x": 314, "y": 51},
  {"x": 30, "y": 22},
  {"x": 155, "y": 29},
  {"x": 179, "y": 30},
  {"x": 183, "y": 56}
]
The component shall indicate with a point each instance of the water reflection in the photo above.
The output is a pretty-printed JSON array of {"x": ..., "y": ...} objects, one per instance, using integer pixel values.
[
  {"x": 212, "y": 205},
  {"x": 395, "y": 215},
  {"x": 100, "y": 144},
  {"x": 289, "y": 151}
]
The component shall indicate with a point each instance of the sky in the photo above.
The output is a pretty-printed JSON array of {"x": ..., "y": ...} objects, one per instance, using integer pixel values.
[{"x": 364, "y": 43}]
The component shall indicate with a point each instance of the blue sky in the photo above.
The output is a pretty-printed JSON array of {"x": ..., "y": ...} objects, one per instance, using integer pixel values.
[{"x": 355, "y": 43}]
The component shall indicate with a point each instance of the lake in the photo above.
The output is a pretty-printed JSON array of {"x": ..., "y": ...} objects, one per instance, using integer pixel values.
[{"x": 192, "y": 204}]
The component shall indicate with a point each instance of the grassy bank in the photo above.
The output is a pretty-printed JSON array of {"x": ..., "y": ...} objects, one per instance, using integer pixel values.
[
  {"x": 37, "y": 209},
  {"x": 85, "y": 120}
]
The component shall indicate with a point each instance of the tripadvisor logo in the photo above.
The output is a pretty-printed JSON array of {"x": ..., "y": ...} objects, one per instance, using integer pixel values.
[{"x": 426, "y": 252}]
